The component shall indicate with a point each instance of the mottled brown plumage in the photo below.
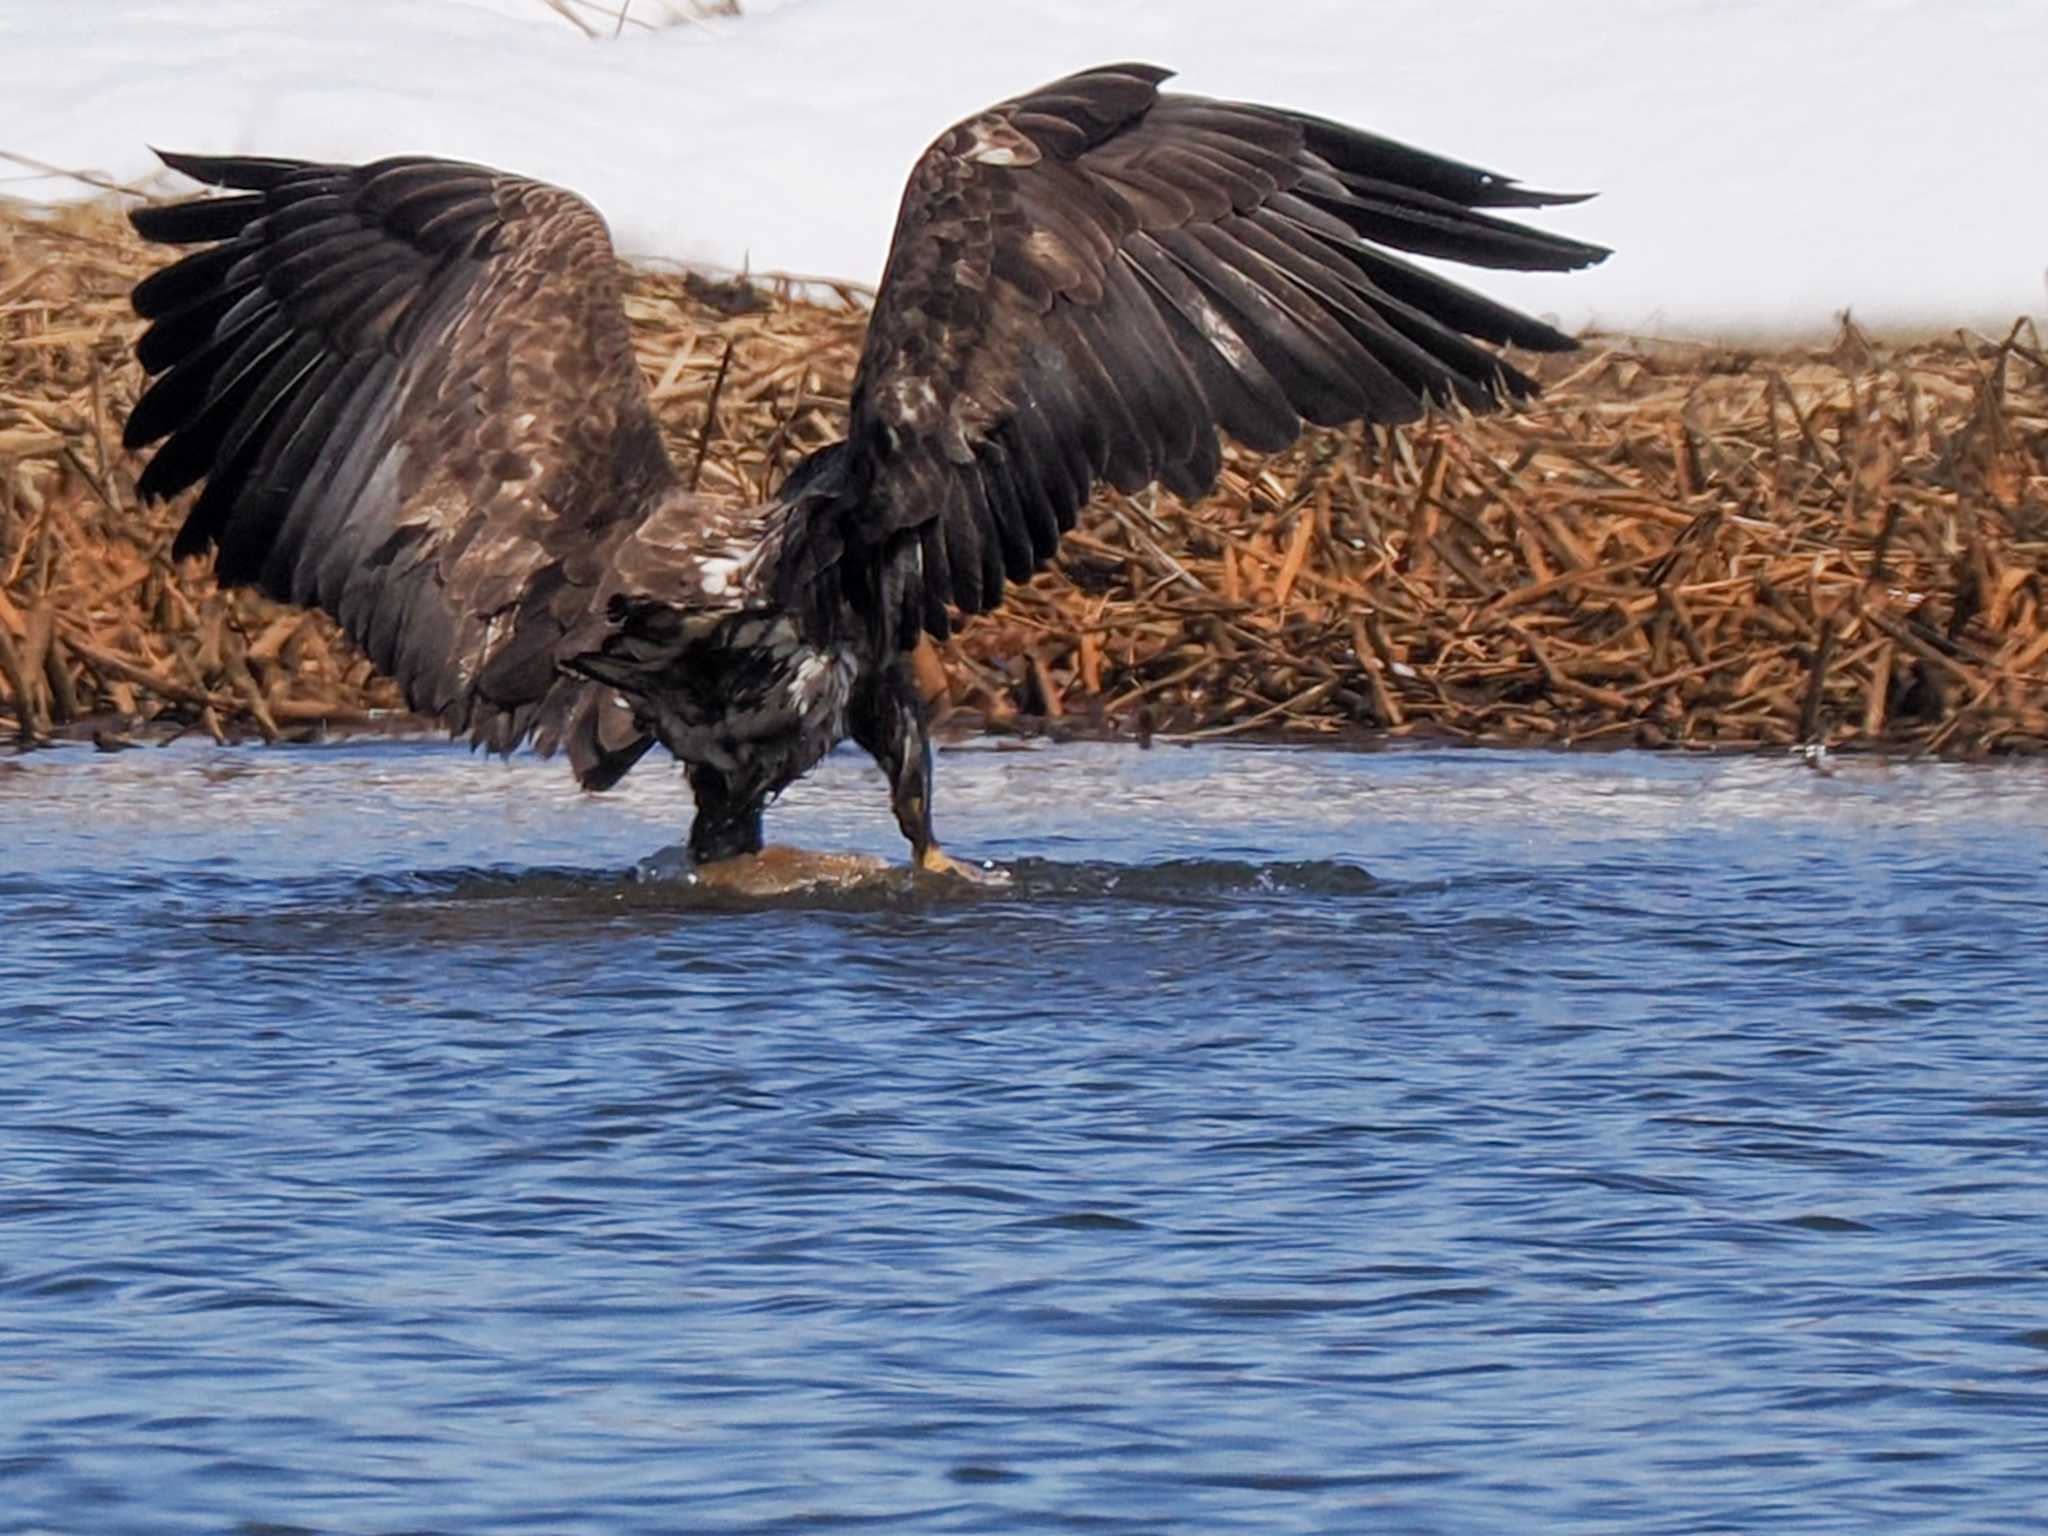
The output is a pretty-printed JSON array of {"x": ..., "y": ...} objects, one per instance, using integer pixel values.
[
  {"x": 411, "y": 392},
  {"x": 1086, "y": 283}
]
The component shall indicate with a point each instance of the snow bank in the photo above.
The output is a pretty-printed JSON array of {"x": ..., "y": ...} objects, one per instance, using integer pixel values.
[{"x": 1761, "y": 163}]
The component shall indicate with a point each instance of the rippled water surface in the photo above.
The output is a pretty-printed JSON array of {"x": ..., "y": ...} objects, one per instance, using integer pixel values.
[{"x": 1305, "y": 1142}]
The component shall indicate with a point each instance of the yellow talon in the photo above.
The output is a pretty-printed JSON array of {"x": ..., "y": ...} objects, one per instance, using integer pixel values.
[{"x": 933, "y": 861}]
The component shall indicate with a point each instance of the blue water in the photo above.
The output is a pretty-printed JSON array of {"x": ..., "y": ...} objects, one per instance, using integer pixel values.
[{"x": 1305, "y": 1142}]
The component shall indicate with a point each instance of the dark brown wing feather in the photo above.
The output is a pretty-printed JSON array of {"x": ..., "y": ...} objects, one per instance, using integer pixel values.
[
  {"x": 410, "y": 390},
  {"x": 1091, "y": 280}
]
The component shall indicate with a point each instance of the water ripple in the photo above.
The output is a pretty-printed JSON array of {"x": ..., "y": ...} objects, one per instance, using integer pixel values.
[{"x": 1301, "y": 1142}]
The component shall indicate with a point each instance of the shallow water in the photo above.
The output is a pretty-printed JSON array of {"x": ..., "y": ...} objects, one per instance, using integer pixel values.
[{"x": 1306, "y": 1142}]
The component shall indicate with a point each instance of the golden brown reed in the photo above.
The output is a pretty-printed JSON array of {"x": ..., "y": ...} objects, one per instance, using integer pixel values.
[{"x": 1676, "y": 546}]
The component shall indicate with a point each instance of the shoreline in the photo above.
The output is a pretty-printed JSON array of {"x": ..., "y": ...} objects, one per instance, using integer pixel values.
[{"x": 1680, "y": 545}]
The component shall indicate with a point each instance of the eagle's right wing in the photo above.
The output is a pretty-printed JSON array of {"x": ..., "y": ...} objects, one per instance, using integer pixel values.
[{"x": 410, "y": 390}]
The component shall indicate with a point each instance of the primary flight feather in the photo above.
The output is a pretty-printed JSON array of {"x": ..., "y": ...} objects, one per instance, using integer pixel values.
[{"x": 410, "y": 391}]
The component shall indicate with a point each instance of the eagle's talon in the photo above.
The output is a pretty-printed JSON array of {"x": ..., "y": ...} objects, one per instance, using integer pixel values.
[{"x": 935, "y": 862}]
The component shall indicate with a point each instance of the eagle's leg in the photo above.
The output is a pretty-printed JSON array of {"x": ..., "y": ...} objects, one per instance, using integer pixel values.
[
  {"x": 728, "y": 820},
  {"x": 886, "y": 716}
]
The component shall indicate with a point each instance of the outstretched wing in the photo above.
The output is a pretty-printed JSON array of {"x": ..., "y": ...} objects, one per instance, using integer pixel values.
[
  {"x": 1087, "y": 282},
  {"x": 411, "y": 392}
]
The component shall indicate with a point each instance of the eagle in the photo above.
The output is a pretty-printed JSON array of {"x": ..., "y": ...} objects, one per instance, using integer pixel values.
[{"x": 410, "y": 391}]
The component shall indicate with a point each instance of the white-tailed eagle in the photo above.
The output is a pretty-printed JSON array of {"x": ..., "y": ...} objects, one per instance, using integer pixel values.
[{"x": 411, "y": 393}]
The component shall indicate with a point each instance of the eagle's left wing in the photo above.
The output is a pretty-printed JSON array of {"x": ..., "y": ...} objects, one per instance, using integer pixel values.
[{"x": 1088, "y": 282}]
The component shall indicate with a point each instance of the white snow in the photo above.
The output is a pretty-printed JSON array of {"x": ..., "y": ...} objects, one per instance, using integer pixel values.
[{"x": 1761, "y": 163}]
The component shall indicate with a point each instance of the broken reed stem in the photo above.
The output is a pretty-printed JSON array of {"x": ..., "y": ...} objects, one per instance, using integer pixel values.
[
  {"x": 710, "y": 416},
  {"x": 1674, "y": 546}
]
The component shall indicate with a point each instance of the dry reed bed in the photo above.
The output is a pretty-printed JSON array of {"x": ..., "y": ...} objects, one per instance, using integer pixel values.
[{"x": 1676, "y": 546}]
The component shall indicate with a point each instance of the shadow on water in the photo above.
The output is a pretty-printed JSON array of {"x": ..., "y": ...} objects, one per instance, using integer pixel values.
[{"x": 501, "y": 902}]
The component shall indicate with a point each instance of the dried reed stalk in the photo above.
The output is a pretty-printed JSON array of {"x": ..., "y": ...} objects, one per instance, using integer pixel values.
[{"x": 1676, "y": 546}]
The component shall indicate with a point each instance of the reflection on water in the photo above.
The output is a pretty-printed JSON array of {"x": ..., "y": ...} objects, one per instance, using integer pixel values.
[{"x": 1303, "y": 1142}]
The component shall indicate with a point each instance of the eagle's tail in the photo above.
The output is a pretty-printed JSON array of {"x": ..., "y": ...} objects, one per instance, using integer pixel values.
[{"x": 604, "y": 740}]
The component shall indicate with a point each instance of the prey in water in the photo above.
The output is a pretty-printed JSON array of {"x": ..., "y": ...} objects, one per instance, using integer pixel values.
[{"x": 410, "y": 391}]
